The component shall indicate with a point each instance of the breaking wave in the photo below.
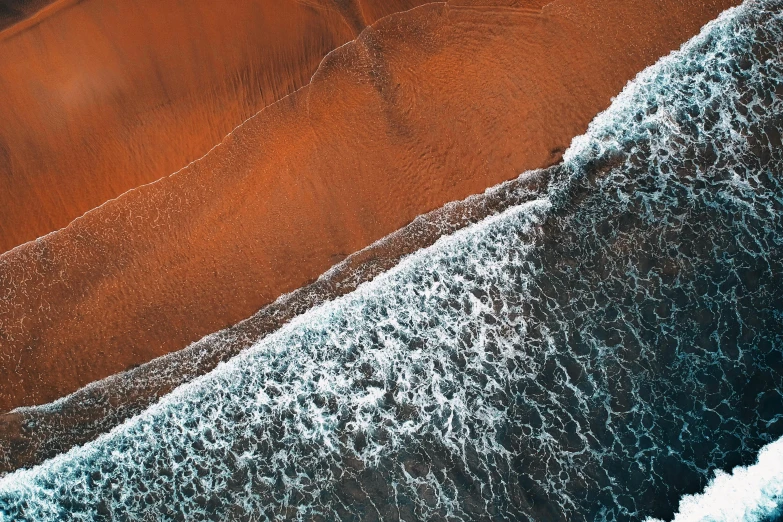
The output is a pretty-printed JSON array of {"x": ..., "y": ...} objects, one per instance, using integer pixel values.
[
  {"x": 30, "y": 435},
  {"x": 589, "y": 355},
  {"x": 747, "y": 494}
]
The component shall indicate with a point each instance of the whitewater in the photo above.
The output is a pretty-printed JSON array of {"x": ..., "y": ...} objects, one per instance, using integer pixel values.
[{"x": 597, "y": 353}]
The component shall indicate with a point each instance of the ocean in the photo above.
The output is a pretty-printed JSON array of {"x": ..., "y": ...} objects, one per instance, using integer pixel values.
[{"x": 599, "y": 352}]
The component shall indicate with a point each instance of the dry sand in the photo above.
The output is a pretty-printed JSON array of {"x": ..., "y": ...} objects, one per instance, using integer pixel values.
[
  {"x": 427, "y": 106},
  {"x": 102, "y": 96}
]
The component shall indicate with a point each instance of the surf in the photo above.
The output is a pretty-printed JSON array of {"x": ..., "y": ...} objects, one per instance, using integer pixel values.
[{"x": 591, "y": 354}]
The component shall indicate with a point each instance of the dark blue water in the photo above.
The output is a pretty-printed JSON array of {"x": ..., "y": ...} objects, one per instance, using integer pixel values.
[{"x": 592, "y": 355}]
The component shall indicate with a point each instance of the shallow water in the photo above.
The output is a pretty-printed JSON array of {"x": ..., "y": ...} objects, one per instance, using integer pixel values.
[{"x": 591, "y": 355}]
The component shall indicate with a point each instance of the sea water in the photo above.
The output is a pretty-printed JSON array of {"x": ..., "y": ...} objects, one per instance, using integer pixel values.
[{"x": 595, "y": 354}]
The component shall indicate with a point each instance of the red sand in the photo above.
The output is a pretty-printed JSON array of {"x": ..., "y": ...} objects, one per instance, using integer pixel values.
[
  {"x": 427, "y": 106},
  {"x": 102, "y": 96}
]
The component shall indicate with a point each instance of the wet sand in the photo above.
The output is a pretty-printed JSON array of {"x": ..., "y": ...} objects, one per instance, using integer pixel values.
[
  {"x": 99, "y": 97},
  {"x": 382, "y": 134},
  {"x": 28, "y": 436}
]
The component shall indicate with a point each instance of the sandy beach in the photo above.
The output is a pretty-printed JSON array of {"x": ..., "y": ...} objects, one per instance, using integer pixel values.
[
  {"x": 381, "y": 135},
  {"x": 100, "y": 97}
]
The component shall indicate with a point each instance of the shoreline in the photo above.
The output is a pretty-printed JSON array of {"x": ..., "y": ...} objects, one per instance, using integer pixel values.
[
  {"x": 282, "y": 198},
  {"x": 30, "y": 435}
]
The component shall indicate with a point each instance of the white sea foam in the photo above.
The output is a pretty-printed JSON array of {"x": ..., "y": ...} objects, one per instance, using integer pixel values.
[{"x": 747, "y": 494}]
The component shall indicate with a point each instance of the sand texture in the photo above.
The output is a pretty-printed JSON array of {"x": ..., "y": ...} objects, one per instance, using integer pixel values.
[
  {"x": 101, "y": 96},
  {"x": 382, "y": 134}
]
